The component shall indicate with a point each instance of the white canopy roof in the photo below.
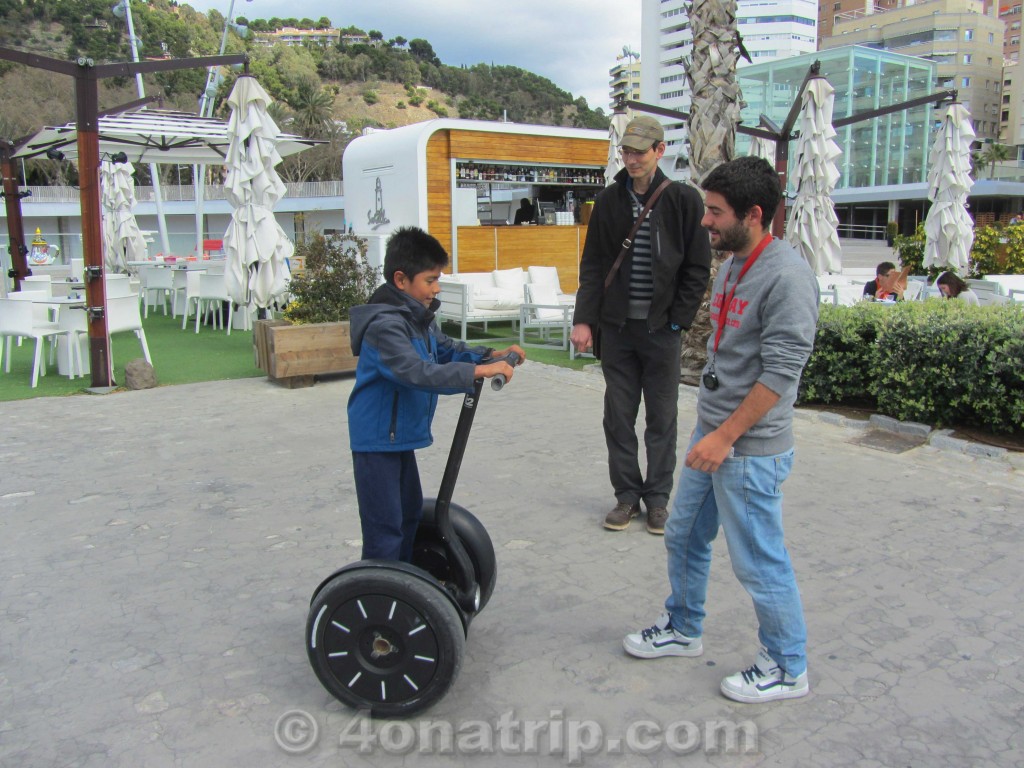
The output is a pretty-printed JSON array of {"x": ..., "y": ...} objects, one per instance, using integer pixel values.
[{"x": 154, "y": 136}]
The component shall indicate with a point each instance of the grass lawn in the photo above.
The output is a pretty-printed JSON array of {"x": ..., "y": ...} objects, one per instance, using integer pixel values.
[
  {"x": 184, "y": 357},
  {"x": 179, "y": 357}
]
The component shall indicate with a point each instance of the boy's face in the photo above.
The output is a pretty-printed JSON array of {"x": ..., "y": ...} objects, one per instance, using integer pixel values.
[{"x": 424, "y": 287}]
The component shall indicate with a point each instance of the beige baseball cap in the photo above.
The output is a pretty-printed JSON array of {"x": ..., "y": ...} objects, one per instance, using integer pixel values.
[{"x": 642, "y": 132}]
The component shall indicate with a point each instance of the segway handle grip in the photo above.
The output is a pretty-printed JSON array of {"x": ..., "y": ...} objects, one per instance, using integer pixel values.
[{"x": 499, "y": 381}]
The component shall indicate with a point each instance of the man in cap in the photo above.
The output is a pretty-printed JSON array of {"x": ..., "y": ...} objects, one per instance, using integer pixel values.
[{"x": 640, "y": 306}]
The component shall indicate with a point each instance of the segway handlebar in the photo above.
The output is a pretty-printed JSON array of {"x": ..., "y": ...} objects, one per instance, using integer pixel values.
[{"x": 499, "y": 381}]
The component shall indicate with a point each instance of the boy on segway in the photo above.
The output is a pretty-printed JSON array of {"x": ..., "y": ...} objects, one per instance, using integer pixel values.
[{"x": 405, "y": 362}]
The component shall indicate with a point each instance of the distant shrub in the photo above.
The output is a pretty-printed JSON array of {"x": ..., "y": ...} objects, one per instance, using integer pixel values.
[{"x": 938, "y": 362}]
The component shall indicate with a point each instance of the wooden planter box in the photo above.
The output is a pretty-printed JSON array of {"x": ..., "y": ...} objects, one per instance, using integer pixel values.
[{"x": 292, "y": 355}]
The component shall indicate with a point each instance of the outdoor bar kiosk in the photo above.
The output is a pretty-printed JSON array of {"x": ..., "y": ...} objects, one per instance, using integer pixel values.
[{"x": 464, "y": 180}]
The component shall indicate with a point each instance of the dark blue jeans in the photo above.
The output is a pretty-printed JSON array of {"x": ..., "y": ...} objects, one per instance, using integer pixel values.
[{"x": 390, "y": 503}]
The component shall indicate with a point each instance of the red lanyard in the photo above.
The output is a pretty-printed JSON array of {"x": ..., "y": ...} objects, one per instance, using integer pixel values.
[{"x": 727, "y": 297}]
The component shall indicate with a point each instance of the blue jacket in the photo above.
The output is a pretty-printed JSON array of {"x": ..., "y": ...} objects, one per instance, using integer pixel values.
[{"x": 405, "y": 362}]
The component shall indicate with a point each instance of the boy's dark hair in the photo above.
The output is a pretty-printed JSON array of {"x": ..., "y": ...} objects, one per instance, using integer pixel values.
[
  {"x": 410, "y": 251},
  {"x": 744, "y": 183},
  {"x": 884, "y": 268}
]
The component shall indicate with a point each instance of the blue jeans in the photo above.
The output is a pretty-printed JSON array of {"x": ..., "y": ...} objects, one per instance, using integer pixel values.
[
  {"x": 390, "y": 503},
  {"x": 745, "y": 497}
]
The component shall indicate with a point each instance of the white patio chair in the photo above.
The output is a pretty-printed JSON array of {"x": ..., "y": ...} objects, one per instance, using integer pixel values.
[
  {"x": 38, "y": 283},
  {"x": 191, "y": 295},
  {"x": 118, "y": 285},
  {"x": 18, "y": 319},
  {"x": 123, "y": 314},
  {"x": 212, "y": 291},
  {"x": 544, "y": 313},
  {"x": 157, "y": 285}
]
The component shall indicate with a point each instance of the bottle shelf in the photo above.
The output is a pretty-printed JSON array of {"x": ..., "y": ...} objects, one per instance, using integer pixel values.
[{"x": 471, "y": 172}]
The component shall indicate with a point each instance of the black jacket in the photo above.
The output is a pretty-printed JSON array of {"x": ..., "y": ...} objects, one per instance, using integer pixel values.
[{"x": 681, "y": 256}]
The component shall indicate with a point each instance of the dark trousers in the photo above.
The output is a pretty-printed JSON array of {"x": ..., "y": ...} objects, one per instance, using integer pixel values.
[
  {"x": 390, "y": 503},
  {"x": 637, "y": 362}
]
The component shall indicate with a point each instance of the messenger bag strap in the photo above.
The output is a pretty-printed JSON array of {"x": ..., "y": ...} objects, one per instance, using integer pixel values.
[{"x": 628, "y": 242}]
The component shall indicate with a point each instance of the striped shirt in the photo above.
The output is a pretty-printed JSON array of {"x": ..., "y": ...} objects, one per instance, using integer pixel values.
[{"x": 641, "y": 274}]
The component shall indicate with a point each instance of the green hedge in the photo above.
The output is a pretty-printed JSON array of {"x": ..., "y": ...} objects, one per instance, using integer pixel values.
[{"x": 938, "y": 362}]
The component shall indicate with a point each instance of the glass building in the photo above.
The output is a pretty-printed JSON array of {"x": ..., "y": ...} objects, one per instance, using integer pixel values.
[
  {"x": 884, "y": 162},
  {"x": 888, "y": 150}
]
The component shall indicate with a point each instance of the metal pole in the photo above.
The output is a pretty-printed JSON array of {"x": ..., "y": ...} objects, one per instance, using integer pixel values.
[
  {"x": 158, "y": 197},
  {"x": 206, "y": 110}
]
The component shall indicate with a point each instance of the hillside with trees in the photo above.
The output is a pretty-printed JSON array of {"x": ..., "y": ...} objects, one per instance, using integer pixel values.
[{"x": 328, "y": 92}]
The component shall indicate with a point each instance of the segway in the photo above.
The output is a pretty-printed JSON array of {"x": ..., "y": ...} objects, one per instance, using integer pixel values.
[{"x": 388, "y": 637}]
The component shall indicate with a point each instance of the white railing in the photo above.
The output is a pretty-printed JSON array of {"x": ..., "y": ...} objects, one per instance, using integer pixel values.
[{"x": 173, "y": 193}]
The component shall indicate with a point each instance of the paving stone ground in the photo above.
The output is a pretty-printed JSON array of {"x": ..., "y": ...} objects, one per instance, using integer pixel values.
[{"x": 159, "y": 549}]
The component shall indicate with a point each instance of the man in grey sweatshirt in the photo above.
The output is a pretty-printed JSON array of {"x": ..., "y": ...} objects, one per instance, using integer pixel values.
[{"x": 764, "y": 312}]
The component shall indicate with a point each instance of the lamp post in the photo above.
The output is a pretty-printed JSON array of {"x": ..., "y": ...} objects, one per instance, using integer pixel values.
[
  {"x": 206, "y": 100},
  {"x": 124, "y": 9},
  {"x": 206, "y": 110}
]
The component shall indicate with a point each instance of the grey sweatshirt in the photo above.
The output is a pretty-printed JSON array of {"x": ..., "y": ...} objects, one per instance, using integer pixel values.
[{"x": 768, "y": 336}]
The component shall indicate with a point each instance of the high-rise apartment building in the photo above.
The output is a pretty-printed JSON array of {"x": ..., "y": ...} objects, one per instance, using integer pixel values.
[
  {"x": 1011, "y": 109},
  {"x": 770, "y": 30},
  {"x": 831, "y": 12},
  {"x": 1009, "y": 14},
  {"x": 624, "y": 81},
  {"x": 965, "y": 43}
]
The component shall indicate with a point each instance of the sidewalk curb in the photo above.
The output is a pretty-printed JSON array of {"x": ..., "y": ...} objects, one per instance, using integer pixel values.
[{"x": 939, "y": 439}]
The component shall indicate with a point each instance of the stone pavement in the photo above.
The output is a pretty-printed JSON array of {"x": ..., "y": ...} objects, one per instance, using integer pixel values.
[{"x": 159, "y": 549}]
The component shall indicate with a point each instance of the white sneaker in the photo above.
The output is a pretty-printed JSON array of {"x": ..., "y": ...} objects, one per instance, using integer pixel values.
[
  {"x": 764, "y": 681},
  {"x": 661, "y": 640}
]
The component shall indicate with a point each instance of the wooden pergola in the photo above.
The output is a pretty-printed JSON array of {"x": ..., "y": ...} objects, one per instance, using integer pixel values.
[{"x": 86, "y": 74}]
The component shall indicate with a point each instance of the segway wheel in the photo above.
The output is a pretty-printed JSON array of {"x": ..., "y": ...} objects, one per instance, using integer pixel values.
[
  {"x": 429, "y": 552},
  {"x": 384, "y": 640}
]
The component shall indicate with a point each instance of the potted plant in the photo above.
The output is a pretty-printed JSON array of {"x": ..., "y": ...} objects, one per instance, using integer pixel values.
[
  {"x": 891, "y": 230},
  {"x": 331, "y": 276}
]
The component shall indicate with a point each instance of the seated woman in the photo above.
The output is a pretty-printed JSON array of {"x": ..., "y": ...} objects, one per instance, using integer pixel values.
[{"x": 952, "y": 287}]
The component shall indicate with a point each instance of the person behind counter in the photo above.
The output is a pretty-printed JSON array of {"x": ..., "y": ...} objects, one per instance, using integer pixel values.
[{"x": 525, "y": 213}]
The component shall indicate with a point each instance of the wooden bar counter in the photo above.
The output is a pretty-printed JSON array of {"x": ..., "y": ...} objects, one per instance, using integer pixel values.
[{"x": 482, "y": 249}]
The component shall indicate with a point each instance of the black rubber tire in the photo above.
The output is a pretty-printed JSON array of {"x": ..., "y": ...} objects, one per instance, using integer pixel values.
[
  {"x": 430, "y": 555},
  {"x": 384, "y": 641}
]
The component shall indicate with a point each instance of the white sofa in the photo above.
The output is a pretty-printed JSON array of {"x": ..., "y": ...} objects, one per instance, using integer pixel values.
[{"x": 497, "y": 296}]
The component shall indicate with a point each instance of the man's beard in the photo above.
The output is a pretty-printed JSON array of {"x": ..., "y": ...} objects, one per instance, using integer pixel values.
[{"x": 735, "y": 237}]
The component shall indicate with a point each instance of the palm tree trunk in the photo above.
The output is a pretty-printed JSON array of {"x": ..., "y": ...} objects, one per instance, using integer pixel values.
[{"x": 714, "y": 114}]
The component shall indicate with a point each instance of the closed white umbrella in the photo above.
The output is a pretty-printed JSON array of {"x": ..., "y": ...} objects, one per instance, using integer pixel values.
[
  {"x": 122, "y": 239},
  {"x": 616, "y": 128},
  {"x": 949, "y": 231},
  {"x": 255, "y": 246},
  {"x": 812, "y": 227},
  {"x": 764, "y": 148}
]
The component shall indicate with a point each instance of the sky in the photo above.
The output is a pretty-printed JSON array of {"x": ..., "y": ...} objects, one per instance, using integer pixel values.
[{"x": 573, "y": 43}]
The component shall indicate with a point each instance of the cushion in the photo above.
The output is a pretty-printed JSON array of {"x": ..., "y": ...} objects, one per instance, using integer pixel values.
[
  {"x": 545, "y": 294},
  {"x": 496, "y": 298},
  {"x": 510, "y": 278},
  {"x": 544, "y": 276}
]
